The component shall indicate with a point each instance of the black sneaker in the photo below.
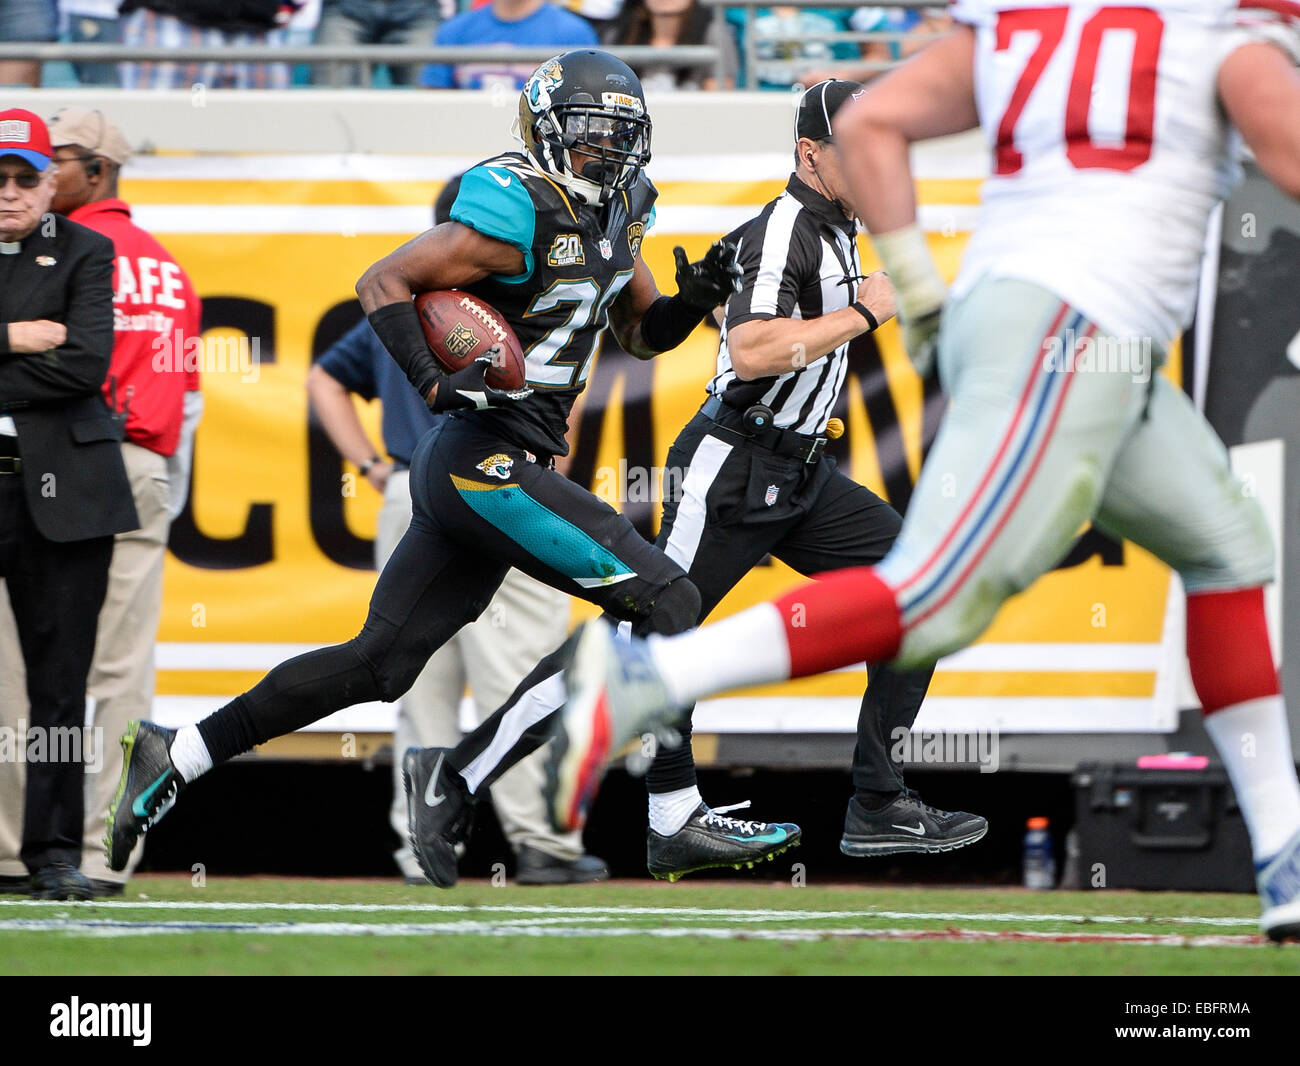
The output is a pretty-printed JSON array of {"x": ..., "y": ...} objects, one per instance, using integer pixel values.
[
  {"x": 147, "y": 791},
  {"x": 908, "y": 825},
  {"x": 439, "y": 812},
  {"x": 61, "y": 881},
  {"x": 538, "y": 868},
  {"x": 709, "y": 839}
]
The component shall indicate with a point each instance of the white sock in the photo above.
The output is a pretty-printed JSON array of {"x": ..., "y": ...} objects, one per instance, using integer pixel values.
[
  {"x": 749, "y": 648},
  {"x": 669, "y": 811},
  {"x": 1255, "y": 745},
  {"x": 189, "y": 754}
]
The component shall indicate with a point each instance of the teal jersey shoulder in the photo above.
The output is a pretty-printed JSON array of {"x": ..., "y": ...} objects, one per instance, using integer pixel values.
[{"x": 494, "y": 200}]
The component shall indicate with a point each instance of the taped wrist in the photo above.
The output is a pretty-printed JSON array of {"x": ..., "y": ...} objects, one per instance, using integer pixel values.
[
  {"x": 669, "y": 321},
  {"x": 907, "y": 260},
  {"x": 398, "y": 327}
]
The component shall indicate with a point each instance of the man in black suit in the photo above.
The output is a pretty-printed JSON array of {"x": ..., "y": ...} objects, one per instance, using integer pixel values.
[{"x": 63, "y": 488}]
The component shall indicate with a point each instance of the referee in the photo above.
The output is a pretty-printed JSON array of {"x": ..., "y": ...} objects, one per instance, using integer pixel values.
[{"x": 757, "y": 482}]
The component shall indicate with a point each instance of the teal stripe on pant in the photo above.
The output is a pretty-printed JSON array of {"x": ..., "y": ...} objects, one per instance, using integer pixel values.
[{"x": 542, "y": 533}]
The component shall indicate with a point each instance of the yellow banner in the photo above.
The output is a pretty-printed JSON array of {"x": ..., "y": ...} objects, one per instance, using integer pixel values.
[{"x": 266, "y": 562}]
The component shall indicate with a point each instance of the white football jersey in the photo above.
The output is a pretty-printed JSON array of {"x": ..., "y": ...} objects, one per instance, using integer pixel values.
[{"x": 1110, "y": 148}]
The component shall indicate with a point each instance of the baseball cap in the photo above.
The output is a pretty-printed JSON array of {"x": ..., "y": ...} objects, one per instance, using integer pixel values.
[
  {"x": 23, "y": 134},
  {"x": 818, "y": 105},
  {"x": 89, "y": 129}
]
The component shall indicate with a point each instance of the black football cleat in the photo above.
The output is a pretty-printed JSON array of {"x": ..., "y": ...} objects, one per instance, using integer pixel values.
[
  {"x": 709, "y": 840},
  {"x": 61, "y": 881},
  {"x": 147, "y": 790},
  {"x": 907, "y": 826},
  {"x": 439, "y": 812}
]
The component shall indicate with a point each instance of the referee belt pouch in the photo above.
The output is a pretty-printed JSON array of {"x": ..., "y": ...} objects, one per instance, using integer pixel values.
[
  {"x": 1161, "y": 829},
  {"x": 781, "y": 441}
]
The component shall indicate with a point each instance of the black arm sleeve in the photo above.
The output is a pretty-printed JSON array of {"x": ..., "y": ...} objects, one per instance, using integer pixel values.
[
  {"x": 398, "y": 327},
  {"x": 669, "y": 321}
]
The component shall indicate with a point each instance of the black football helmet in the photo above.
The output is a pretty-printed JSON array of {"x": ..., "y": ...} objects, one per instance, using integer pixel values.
[{"x": 586, "y": 104}]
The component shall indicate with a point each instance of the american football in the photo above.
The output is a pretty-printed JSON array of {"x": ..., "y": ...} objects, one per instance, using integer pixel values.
[{"x": 459, "y": 328}]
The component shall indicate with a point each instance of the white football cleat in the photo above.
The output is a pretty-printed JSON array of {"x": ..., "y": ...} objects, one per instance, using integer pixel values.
[
  {"x": 1278, "y": 879},
  {"x": 614, "y": 694}
]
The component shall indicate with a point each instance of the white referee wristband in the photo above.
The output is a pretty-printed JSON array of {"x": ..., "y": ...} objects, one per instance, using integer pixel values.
[{"x": 907, "y": 260}]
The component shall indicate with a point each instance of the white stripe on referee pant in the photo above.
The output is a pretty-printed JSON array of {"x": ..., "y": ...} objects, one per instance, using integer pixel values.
[
  {"x": 684, "y": 541},
  {"x": 534, "y": 705}
]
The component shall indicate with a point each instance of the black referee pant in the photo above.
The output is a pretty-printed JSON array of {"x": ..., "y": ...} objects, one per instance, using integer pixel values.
[{"x": 738, "y": 502}]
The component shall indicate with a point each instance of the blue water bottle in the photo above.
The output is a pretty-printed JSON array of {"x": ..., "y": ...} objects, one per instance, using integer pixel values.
[{"x": 1040, "y": 863}]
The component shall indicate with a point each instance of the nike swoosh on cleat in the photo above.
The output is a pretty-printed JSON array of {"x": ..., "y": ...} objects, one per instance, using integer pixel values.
[
  {"x": 431, "y": 797},
  {"x": 139, "y": 806},
  {"x": 772, "y": 836},
  {"x": 503, "y": 182},
  {"x": 918, "y": 831}
]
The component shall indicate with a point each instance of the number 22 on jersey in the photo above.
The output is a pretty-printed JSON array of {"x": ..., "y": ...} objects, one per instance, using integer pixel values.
[{"x": 1115, "y": 55}]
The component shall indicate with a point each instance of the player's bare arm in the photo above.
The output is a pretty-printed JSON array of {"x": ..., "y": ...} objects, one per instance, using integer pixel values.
[
  {"x": 1259, "y": 87},
  {"x": 930, "y": 95},
  {"x": 647, "y": 323},
  {"x": 630, "y": 307},
  {"x": 764, "y": 347},
  {"x": 449, "y": 256}
]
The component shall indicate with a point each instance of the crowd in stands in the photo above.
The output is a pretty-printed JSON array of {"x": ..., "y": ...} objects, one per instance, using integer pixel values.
[{"x": 789, "y": 44}]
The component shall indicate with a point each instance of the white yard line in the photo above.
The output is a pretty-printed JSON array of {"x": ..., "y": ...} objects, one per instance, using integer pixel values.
[
  {"x": 730, "y": 914},
  {"x": 544, "y": 928}
]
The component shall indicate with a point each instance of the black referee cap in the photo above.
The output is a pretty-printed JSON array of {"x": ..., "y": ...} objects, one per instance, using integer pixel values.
[{"x": 818, "y": 105}]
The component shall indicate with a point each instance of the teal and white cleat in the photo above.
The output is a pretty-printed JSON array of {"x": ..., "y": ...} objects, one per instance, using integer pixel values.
[
  {"x": 614, "y": 694},
  {"x": 1278, "y": 879},
  {"x": 146, "y": 792}
]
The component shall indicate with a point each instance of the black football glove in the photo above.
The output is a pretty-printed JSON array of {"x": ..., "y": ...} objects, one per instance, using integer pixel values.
[
  {"x": 466, "y": 389},
  {"x": 709, "y": 282}
]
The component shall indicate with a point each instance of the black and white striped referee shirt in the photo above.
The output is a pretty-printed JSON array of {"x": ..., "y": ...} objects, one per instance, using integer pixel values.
[{"x": 800, "y": 259}]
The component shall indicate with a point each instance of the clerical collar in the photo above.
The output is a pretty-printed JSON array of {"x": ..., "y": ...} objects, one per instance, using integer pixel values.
[{"x": 10, "y": 247}]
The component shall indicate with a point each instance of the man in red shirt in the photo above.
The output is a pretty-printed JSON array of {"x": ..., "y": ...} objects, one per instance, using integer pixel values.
[{"x": 155, "y": 312}]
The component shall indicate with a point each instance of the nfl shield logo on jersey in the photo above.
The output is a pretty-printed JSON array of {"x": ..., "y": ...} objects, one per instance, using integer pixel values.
[
  {"x": 606, "y": 249},
  {"x": 770, "y": 497}
]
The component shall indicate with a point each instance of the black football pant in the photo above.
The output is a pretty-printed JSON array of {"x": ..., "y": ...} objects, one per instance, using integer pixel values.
[
  {"x": 739, "y": 502},
  {"x": 480, "y": 506},
  {"x": 56, "y": 591},
  {"x": 718, "y": 527}
]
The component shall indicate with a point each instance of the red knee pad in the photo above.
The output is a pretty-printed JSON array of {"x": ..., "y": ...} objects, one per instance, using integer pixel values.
[
  {"x": 844, "y": 617},
  {"x": 1227, "y": 648}
]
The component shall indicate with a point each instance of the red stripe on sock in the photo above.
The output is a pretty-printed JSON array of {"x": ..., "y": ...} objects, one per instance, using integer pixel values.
[
  {"x": 849, "y": 616},
  {"x": 1227, "y": 648}
]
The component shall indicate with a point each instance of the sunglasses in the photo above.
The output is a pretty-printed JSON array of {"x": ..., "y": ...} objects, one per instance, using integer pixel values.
[{"x": 25, "y": 180}]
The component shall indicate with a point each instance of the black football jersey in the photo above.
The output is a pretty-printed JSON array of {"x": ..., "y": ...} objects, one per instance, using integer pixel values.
[{"x": 577, "y": 259}]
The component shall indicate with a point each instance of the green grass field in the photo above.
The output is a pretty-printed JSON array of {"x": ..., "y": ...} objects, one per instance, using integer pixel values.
[{"x": 166, "y": 925}]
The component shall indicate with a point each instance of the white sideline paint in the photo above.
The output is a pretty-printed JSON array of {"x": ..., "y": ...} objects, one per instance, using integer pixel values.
[
  {"x": 540, "y": 928},
  {"x": 731, "y": 914}
]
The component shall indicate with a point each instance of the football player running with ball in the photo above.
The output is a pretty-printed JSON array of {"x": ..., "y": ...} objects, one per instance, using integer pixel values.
[
  {"x": 1108, "y": 159},
  {"x": 551, "y": 238}
]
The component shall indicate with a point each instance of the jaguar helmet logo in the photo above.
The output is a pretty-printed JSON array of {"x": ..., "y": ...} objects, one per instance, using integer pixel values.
[{"x": 545, "y": 78}]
